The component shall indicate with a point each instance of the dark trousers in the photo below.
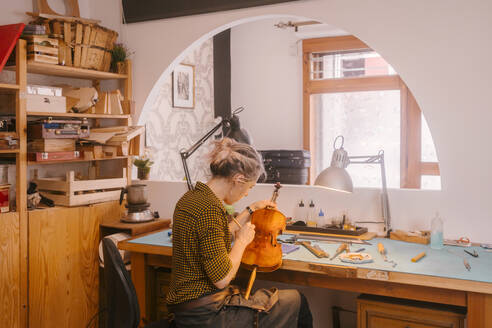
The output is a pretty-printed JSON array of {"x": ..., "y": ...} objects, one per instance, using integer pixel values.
[{"x": 291, "y": 311}]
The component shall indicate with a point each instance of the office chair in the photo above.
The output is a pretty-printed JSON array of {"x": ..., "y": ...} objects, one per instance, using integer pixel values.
[{"x": 122, "y": 303}]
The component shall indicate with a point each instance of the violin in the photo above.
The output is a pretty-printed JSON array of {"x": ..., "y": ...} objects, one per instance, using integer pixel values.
[{"x": 264, "y": 253}]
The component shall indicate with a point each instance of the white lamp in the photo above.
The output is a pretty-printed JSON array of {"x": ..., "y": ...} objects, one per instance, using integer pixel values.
[{"x": 335, "y": 177}]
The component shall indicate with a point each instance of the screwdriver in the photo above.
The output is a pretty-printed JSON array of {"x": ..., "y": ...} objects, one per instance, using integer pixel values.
[
  {"x": 340, "y": 249},
  {"x": 382, "y": 251}
]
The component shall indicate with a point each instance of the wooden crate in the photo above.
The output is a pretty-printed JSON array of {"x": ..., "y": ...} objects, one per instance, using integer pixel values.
[
  {"x": 71, "y": 192},
  {"x": 42, "y": 49},
  {"x": 49, "y": 145}
]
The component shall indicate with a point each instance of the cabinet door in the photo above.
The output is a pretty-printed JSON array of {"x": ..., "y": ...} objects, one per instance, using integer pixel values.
[
  {"x": 63, "y": 267},
  {"x": 9, "y": 270},
  {"x": 382, "y": 322}
]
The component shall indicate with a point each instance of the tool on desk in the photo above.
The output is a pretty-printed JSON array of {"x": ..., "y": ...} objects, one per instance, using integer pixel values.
[
  {"x": 383, "y": 252},
  {"x": 332, "y": 239},
  {"x": 359, "y": 250},
  {"x": 465, "y": 262},
  {"x": 486, "y": 246},
  {"x": 289, "y": 248},
  {"x": 343, "y": 247},
  {"x": 463, "y": 242},
  {"x": 418, "y": 257},
  {"x": 315, "y": 249},
  {"x": 474, "y": 253}
]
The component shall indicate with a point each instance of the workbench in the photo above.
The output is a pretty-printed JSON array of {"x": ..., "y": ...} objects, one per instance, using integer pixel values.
[{"x": 439, "y": 277}]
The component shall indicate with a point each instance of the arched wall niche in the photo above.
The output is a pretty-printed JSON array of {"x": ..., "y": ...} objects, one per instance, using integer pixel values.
[{"x": 267, "y": 81}]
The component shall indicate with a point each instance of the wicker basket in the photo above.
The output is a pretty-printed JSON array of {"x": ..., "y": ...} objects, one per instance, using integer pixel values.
[{"x": 81, "y": 44}]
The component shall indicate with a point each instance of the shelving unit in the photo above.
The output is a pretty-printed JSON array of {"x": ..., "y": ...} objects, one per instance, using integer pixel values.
[
  {"x": 80, "y": 160},
  {"x": 21, "y": 274}
]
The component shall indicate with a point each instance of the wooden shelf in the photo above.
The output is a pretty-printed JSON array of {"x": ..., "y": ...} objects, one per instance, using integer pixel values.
[
  {"x": 8, "y": 134},
  {"x": 70, "y": 72},
  {"x": 8, "y": 88},
  {"x": 81, "y": 115},
  {"x": 77, "y": 160},
  {"x": 9, "y": 151}
]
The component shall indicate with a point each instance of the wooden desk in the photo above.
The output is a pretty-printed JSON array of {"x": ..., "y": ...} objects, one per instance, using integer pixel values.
[{"x": 475, "y": 295}]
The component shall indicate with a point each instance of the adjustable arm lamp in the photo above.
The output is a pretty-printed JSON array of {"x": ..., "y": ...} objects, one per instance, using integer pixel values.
[
  {"x": 234, "y": 131},
  {"x": 335, "y": 177}
]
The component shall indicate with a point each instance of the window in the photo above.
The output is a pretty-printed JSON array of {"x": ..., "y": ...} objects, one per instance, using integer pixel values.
[{"x": 351, "y": 90}]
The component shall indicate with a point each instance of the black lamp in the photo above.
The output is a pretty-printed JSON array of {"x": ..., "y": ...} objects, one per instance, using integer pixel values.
[{"x": 233, "y": 130}]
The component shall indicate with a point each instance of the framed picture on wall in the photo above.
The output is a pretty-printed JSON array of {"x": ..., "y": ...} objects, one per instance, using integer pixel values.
[{"x": 184, "y": 86}]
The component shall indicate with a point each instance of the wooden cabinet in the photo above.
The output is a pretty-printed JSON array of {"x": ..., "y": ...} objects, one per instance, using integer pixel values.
[
  {"x": 48, "y": 258},
  {"x": 64, "y": 262},
  {"x": 9, "y": 270},
  {"x": 386, "y": 312}
]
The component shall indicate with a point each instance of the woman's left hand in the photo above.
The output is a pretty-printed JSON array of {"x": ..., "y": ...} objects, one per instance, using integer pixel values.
[{"x": 262, "y": 204}]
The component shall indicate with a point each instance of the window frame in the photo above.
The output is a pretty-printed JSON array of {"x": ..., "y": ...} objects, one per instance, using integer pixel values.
[{"x": 411, "y": 166}]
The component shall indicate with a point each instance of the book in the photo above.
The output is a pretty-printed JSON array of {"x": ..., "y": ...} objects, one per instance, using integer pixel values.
[{"x": 9, "y": 34}]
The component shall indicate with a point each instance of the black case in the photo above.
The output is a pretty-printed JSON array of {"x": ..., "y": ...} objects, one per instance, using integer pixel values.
[{"x": 286, "y": 166}]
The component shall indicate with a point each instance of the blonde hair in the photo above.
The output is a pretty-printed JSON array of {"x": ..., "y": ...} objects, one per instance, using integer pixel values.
[{"x": 230, "y": 158}]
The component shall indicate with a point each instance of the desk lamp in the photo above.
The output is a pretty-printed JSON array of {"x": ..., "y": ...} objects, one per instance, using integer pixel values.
[
  {"x": 233, "y": 131},
  {"x": 335, "y": 177}
]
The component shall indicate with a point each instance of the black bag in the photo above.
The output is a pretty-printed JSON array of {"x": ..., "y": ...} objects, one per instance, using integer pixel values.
[{"x": 286, "y": 166}]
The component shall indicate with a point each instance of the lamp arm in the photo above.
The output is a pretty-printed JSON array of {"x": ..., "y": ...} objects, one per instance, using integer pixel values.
[
  {"x": 187, "y": 153},
  {"x": 378, "y": 159}
]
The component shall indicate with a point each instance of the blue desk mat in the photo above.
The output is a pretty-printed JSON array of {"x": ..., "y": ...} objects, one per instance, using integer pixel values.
[{"x": 439, "y": 263}]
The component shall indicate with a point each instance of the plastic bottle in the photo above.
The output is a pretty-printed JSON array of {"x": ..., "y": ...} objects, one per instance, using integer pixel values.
[
  {"x": 320, "y": 222},
  {"x": 437, "y": 232},
  {"x": 300, "y": 212},
  {"x": 311, "y": 217}
]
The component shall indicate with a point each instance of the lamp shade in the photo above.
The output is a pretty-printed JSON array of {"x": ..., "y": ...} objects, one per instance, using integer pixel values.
[
  {"x": 236, "y": 132},
  {"x": 335, "y": 178}
]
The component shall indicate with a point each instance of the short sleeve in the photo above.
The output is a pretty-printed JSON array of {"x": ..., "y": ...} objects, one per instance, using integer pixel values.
[{"x": 212, "y": 244}]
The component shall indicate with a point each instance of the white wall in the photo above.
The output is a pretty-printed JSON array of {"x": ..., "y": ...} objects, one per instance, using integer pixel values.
[
  {"x": 425, "y": 41},
  {"x": 266, "y": 79}
]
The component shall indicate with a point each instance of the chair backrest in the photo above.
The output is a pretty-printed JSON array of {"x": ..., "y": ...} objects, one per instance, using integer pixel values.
[{"x": 121, "y": 298}]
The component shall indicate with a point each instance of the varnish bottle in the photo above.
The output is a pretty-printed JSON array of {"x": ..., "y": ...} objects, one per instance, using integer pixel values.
[{"x": 311, "y": 217}]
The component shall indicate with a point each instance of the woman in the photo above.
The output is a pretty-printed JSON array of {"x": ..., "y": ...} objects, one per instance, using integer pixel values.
[{"x": 205, "y": 262}]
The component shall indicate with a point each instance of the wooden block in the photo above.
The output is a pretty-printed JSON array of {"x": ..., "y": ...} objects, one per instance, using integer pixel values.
[
  {"x": 85, "y": 42},
  {"x": 128, "y": 107},
  {"x": 115, "y": 99},
  {"x": 423, "y": 238},
  {"x": 51, "y": 145},
  {"x": 93, "y": 151},
  {"x": 101, "y": 104},
  {"x": 78, "y": 45},
  {"x": 110, "y": 151},
  {"x": 67, "y": 34}
]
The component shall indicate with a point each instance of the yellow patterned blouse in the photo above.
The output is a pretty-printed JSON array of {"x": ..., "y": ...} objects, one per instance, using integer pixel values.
[{"x": 201, "y": 245}]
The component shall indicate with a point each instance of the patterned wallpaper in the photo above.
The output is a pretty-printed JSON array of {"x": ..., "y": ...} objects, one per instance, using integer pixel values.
[{"x": 170, "y": 130}]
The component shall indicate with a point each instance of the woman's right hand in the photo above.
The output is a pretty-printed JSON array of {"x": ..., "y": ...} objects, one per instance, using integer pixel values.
[{"x": 246, "y": 234}]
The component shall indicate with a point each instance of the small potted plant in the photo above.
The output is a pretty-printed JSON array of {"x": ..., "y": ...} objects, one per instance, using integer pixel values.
[
  {"x": 143, "y": 165},
  {"x": 119, "y": 54}
]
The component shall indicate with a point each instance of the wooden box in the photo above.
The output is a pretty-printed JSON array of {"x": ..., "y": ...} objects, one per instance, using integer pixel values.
[
  {"x": 54, "y": 156},
  {"x": 51, "y": 145},
  {"x": 42, "y": 49},
  {"x": 72, "y": 192},
  {"x": 49, "y": 104}
]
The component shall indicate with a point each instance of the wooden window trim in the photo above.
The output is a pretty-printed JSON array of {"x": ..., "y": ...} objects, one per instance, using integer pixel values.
[{"x": 411, "y": 166}]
